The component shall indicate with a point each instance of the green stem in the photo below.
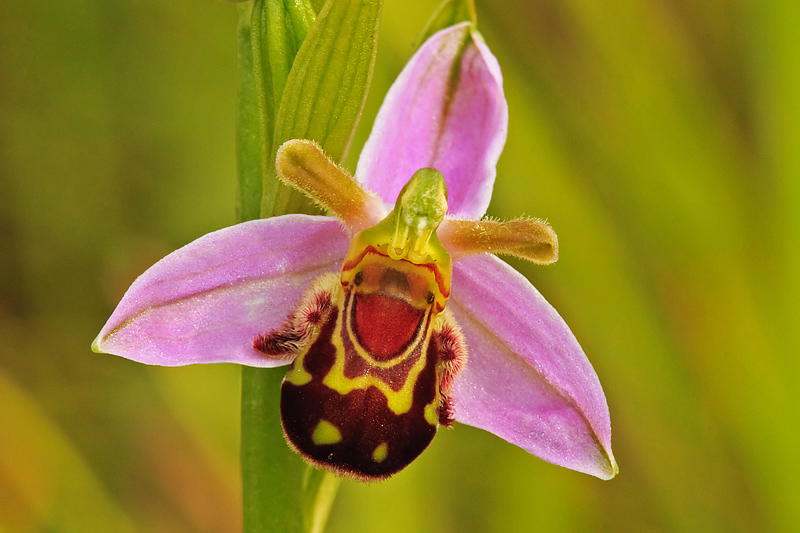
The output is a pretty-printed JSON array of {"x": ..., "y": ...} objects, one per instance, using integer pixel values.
[
  {"x": 325, "y": 89},
  {"x": 272, "y": 474}
]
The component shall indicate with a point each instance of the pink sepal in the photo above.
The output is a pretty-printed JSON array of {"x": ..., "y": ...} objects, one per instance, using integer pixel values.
[
  {"x": 527, "y": 379},
  {"x": 206, "y": 302}
]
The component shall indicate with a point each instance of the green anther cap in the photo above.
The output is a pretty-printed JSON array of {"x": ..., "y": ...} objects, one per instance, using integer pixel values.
[
  {"x": 409, "y": 231},
  {"x": 419, "y": 210},
  {"x": 422, "y": 202}
]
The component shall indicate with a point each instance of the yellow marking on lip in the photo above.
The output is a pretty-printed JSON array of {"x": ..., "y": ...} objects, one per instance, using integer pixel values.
[
  {"x": 297, "y": 375},
  {"x": 380, "y": 453},
  {"x": 431, "y": 413},
  {"x": 326, "y": 433},
  {"x": 399, "y": 402}
]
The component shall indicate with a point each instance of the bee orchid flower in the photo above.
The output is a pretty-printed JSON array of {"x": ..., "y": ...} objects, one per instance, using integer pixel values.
[{"x": 396, "y": 315}]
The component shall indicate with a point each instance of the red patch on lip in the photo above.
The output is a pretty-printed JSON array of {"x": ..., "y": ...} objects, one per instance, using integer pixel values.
[{"x": 384, "y": 326}]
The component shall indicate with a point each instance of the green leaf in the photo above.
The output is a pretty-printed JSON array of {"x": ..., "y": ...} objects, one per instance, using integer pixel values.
[
  {"x": 284, "y": 26},
  {"x": 326, "y": 89},
  {"x": 248, "y": 131},
  {"x": 317, "y": 5},
  {"x": 270, "y": 33},
  {"x": 277, "y": 31},
  {"x": 449, "y": 13}
]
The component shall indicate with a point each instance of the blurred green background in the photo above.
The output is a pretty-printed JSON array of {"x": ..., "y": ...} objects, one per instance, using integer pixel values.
[{"x": 660, "y": 139}]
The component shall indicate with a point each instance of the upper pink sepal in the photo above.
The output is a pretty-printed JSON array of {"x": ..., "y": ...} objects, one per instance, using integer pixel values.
[
  {"x": 206, "y": 302},
  {"x": 446, "y": 111},
  {"x": 527, "y": 379}
]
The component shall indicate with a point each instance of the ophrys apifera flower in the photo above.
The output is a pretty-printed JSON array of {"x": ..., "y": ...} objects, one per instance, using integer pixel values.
[{"x": 395, "y": 320}]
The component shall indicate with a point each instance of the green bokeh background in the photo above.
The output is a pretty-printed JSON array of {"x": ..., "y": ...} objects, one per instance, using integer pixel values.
[{"x": 660, "y": 139}]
